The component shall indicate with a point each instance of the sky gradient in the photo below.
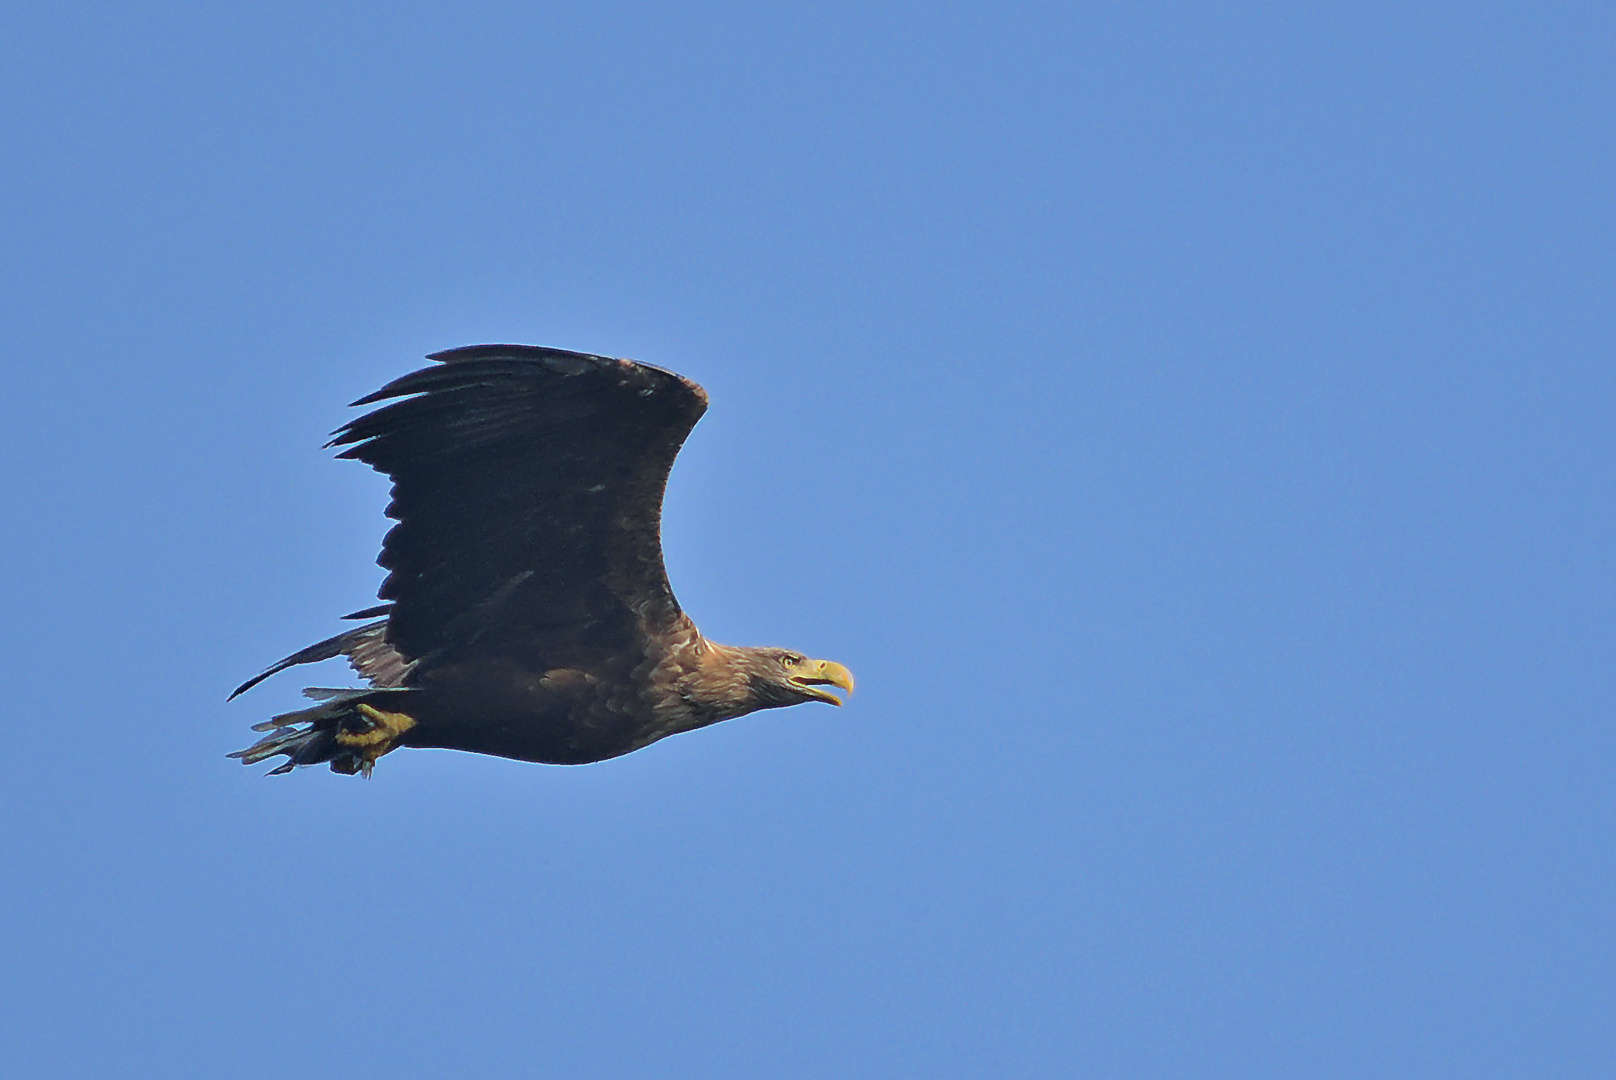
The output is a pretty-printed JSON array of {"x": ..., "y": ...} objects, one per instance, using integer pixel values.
[{"x": 1192, "y": 425}]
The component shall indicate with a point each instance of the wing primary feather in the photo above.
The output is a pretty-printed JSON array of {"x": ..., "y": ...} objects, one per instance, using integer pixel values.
[
  {"x": 328, "y": 649},
  {"x": 527, "y": 483},
  {"x": 511, "y": 352}
]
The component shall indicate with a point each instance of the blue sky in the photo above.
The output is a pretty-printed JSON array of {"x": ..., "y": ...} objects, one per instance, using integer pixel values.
[{"x": 1192, "y": 424}]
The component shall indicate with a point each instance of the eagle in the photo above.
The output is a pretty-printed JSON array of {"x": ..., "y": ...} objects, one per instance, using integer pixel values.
[{"x": 526, "y": 610}]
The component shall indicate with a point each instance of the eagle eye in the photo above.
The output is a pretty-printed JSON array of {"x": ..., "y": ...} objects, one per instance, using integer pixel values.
[{"x": 791, "y": 660}]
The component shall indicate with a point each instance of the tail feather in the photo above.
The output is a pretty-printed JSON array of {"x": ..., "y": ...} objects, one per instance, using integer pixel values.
[
  {"x": 326, "y": 693},
  {"x": 302, "y": 746}
]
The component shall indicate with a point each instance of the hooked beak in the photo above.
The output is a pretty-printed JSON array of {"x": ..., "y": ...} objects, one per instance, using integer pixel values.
[{"x": 817, "y": 673}]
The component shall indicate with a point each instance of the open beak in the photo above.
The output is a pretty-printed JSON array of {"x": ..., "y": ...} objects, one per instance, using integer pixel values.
[{"x": 817, "y": 673}]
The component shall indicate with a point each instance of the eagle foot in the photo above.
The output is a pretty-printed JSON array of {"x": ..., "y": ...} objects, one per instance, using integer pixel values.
[{"x": 367, "y": 735}]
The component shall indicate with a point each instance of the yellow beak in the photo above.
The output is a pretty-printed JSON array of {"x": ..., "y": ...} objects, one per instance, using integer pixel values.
[{"x": 823, "y": 673}]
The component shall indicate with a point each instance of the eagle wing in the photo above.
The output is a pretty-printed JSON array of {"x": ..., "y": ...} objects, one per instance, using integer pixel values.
[{"x": 527, "y": 486}]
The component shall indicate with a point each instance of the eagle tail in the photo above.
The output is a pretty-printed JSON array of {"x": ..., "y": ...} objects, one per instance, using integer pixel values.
[{"x": 349, "y": 729}]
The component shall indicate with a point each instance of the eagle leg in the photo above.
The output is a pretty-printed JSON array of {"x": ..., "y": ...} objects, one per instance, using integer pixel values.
[{"x": 367, "y": 736}]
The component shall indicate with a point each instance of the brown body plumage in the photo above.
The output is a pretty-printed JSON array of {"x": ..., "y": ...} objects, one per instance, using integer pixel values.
[{"x": 528, "y": 612}]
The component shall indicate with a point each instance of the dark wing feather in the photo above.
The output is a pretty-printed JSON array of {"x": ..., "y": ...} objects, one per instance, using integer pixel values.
[
  {"x": 527, "y": 486},
  {"x": 365, "y": 647}
]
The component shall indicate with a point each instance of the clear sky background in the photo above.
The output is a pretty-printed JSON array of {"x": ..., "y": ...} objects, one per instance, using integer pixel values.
[{"x": 1192, "y": 423}]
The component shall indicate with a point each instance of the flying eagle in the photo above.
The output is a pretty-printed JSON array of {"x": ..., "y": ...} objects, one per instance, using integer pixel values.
[{"x": 527, "y": 612}]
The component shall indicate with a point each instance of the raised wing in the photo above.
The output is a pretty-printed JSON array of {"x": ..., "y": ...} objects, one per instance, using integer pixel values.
[{"x": 527, "y": 486}]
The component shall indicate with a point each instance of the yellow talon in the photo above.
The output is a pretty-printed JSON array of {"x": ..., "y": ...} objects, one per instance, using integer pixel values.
[{"x": 385, "y": 730}]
